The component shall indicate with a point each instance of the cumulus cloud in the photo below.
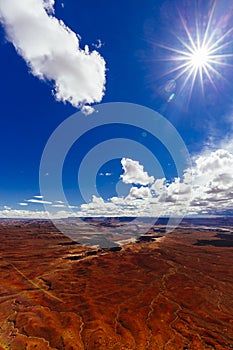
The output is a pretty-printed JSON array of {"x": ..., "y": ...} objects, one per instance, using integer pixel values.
[
  {"x": 213, "y": 181},
  {"x": 158, "y": 186},
  {"x": 134, "y": 173},
  {"x": 152, "y": 198},
  {"x": 52, "y": 51},
  {"x": 206, "y": 188},
  {"x": 139, "y": 193},
  {"x": 114, "y": 207},
  {"x": 49, "y": 5},
  {"x": 176, "y": 191}
]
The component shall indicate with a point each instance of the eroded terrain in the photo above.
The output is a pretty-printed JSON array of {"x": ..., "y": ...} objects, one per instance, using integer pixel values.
[{"x": 172, "y": 293}]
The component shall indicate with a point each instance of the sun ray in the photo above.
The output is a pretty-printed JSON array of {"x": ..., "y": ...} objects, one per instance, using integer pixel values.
[
  {"x": 210, "y": 78},
  {"x": 187, "y": 32},
  {"x": 192, "y": 84},
  {"x": 210, "y": 20},
  {"x": 183, "y": 71},
  {"x": 202, "y": 51},
  {"x": 172, "y": 49},
  {"x": 188, "y": 47},
  {"x": 175, "y": 69},
  {"x": 217, "y": 42}
]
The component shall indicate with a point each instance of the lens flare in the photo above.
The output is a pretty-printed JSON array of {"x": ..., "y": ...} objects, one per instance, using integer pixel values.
[
  {"x": 200, "y": 58},
  {"x": 203, "y": 51}
]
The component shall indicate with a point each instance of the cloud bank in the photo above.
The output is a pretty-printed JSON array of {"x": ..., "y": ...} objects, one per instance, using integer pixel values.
[
  {"x": 204, "y": 189},
  {"x": 52, "y": 52}
]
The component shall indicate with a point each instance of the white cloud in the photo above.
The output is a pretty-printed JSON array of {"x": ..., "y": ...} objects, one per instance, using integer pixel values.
[
  {"x": 49, "y": 5},
  {"x": 39, "y": 197},
  {"x": 127, "y": 206},
  {"x": 105, "y": 174},
  {"x": 32, "y": 214},
  {"x": 139, "y": 193},
  {"x": 98, "y": 44},
  {"x": 177, "y": 191},
  {"x": 115, "y": 207},
  {"x": 38, "y": 201},
  {"x": 213, "y": 181},
  {"x": 207, "y": 188},
  {"x": 22, "y": 214},
  {"x": 87, "y": 110},
  {"x": 52, "y": 52},
  {"x": 23, "y": 204},
  {"x": 134, "y": 173},
  {"x": 158, "y": 186}
]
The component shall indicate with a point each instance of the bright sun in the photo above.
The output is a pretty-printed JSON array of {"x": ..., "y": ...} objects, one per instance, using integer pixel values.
[
  {"x": 200, "y": 58},
  {"x": 201, "y": 52}
]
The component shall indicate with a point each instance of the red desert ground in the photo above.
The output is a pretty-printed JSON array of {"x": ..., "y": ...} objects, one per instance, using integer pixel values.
[{"x": 161, "y": 291}]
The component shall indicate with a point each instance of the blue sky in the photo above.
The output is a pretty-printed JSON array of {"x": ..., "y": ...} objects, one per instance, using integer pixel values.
[{"x": 139, "y": 48}]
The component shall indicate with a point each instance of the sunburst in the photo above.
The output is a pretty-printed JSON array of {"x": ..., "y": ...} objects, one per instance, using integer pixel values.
[{"x": 201, "y": 52}]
